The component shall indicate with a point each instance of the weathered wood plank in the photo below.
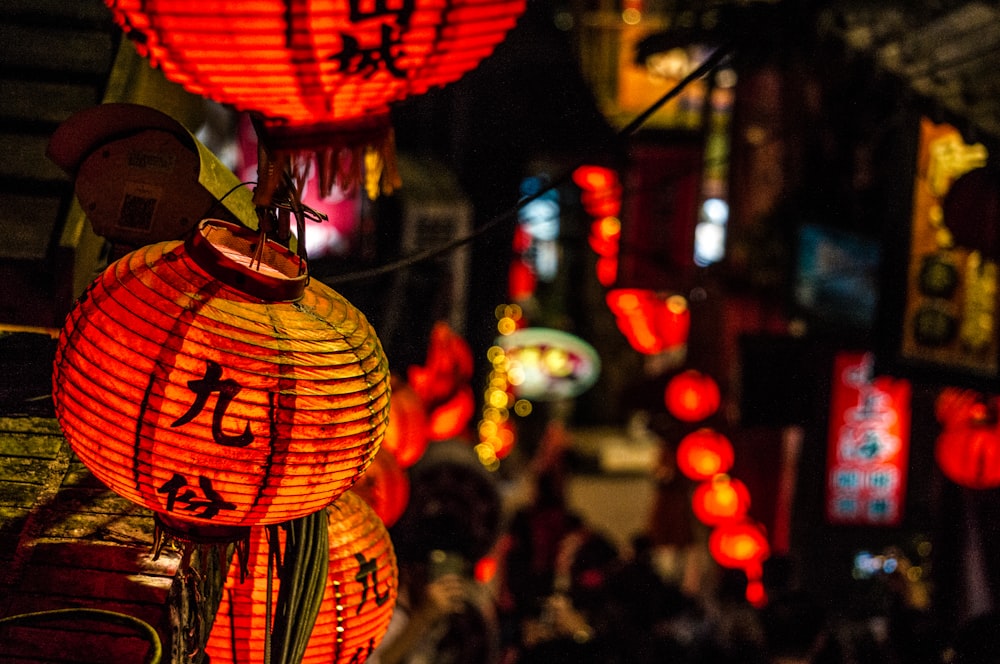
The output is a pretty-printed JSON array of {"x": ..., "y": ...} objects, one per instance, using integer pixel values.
[
  {"x": 18, "y": 494},
  {"x": 29, "y": 445},
  {"x": 58, "y": 50},
  {"x": 76, "y": 645},
  {"x": 31, "y": 425},
  {"x": 105, "y": 556}
]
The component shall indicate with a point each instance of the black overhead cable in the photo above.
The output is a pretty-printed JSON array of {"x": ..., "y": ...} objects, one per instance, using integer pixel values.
[{"x": 708, "y": 65}]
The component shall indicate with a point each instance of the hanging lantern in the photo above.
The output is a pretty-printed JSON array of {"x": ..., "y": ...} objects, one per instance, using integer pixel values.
[
  {"x": 321, "y": 73},
  {"x": 704, "y": 453},
  {"x": 600, "y": 190},
  {"x": 385, "y": 486},
  {"x": 215, "y": 393},
  {"x": 720, "y": 499},
  {"x": 739, "y": 544},
  {"x": 970, "y": 455},
  {"x": 968, "y": 448},
  {"x": 692, "y": 396},
  {"x": 449, "y": 366},
  {"x": 406, "y": 435},
  {"x": 451, "y": 418},
  {"x": 652, "y": 323},
  {"x": 357, "y": 604}
]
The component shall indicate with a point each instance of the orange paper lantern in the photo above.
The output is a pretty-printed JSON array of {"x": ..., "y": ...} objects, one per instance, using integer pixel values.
[
  {"x": 385, "y": 486},
  {"x": 692, "y": 396},
  {"x": 739, "y": 545},
  {"x": 358, "y": 600},
  {"x": 720, "y": 499},
  {"x": 406, "y": 436},
  {"x": 704, "y": 453},
  {"x": 216, "y": 394},
  {"x": 319, "y": 71}
]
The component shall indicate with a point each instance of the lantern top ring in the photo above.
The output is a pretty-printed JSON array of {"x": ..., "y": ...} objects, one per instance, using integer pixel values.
[{"x": 231, "y": 253}]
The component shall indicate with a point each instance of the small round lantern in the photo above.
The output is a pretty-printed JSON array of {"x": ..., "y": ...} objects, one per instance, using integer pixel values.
[
  {"x": 385, "y": 486},
  {"x": 321, "y": 73},
  {"x": 692, "y": 396},
  {"x": 358, "y": 599},
  {"x": 720, "y": 499},
  {"x": 704, "y": 453},
  {"x": 209, "y": 382},
  {"x": 739, "y": 544},
  {"x": 406, "y": 436},
  {"x": 970, "y": 455}
]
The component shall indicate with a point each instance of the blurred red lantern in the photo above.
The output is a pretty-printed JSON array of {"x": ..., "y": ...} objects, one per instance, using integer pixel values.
[
  {"x": 692, "y": 396},
  {"x": 406, "y": 435},
  {"x": 449, "y": 365},
  {"x": 358, "y": 599},
  {"x": 968, "y": 448},
  {"x": 451, "y": 418},
  {"x": 217, "y": 394},
  {"x": 521, "y": 281},
  {"x": 720, "y": 499},
  {"x": 322, "y": 73},
  {"x": 970, "y": 455},
  {"x": 651, "y": 322},
  {"x": 704, "y": 453},
  {"x": 739, "y": 544},
  {"x": 385, "y": 486},
  {"x": 600, "y": 190}
]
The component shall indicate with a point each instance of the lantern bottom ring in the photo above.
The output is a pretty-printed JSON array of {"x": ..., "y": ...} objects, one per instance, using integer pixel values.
[{"x": 197, "y": 533}]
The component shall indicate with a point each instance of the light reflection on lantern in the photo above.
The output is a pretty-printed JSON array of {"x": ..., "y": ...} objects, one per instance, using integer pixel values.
[
  {"x": 720, "y": 499},
  {"x": 704, "y": 453},
  {"x": 358, "y": 598},
  {"x": 215, "y": 394},
  {"x": 692, "y": 396}
]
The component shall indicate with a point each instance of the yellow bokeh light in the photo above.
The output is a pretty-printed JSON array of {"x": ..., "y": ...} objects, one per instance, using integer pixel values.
[
  {"x": 523, "y": 407},
  {"x": 506, "y": 325},
  {"x": 498, "y": 399}
]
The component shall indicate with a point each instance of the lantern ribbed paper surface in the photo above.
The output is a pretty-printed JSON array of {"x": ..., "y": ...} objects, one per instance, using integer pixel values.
[
  {"x": 216, "y": 394},
  {"x": 315, "y": 62},
  {"x": 357, "y": 605}
]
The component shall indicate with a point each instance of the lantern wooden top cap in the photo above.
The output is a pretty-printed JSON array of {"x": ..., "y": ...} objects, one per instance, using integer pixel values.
[{"x": 226, "y": 251}]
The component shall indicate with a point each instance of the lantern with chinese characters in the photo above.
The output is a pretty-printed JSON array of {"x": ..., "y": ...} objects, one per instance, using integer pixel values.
[
  {"x": 358, "y": 598},
  {"x": 211, "y": 382},
  {"x": 322, "y": 73},
  {"x": 704, "y": 453},
  {"x": 406, "y": 437},
  {"x": 692, "y": 396},
  {"x": 720, "y": 499}
]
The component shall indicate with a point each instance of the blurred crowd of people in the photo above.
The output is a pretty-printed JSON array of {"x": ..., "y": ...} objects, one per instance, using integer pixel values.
[{"x": 558, "y": 590}]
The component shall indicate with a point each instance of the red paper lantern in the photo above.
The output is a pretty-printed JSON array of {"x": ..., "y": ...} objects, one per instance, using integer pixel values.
[
  {"x": 321, "y": 72},
  {"x": 720, "y": 499},
  {"x": 451, "y": 418},
  {"x": 704, "y": 453},
  {"x": 406, "y": 435},
  {"x": 651, "y": 322},
  {"x": 385, "y": 486},
  {"x": 739, "y": 545},
  {"x": 217, "y": 394},
  {"x": 449, "y": 366},
  {"x": 601, "y": 191},
  {"x": 358, "y": 599},
  {"x": 970, "y": 455},
  {"x": 692, "y": 396}
]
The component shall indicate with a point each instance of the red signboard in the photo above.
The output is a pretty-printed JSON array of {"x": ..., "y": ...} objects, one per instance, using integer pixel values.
[{"x": 868, "y": 445}]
